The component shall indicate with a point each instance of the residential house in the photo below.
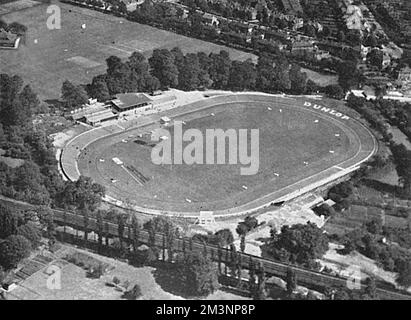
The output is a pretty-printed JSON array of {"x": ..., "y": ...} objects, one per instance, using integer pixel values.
[
  {"x": 386, "y": 60},
  {"x": 211, "y": 20},
  {"x": 334, "y": 47},
  {"x": 321, "y": 54},
  {"x": 318, "y": 26},
  {"x": 404, "y": 80},
  {"x": 252, "y": 13},
  {"x": 353, "y": 18},
  {"x": 404, "y": 76},
  {"x": 392, "y": 50},
  {"x": 298, "y": 24},
  {"x": 283, "y": 37},
  {"x": 364, "y": 51},
  {"x": 301, "y": 46},
  {"x": 375, "y": 79},
  {"x": 243, "y": 28}
]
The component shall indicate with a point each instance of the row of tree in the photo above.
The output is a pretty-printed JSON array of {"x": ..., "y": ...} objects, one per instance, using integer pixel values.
[{"x": 172, "y": 69}]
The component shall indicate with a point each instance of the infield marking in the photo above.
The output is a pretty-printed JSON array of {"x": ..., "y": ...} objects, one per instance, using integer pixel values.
[{"x": 131, "y": 175}]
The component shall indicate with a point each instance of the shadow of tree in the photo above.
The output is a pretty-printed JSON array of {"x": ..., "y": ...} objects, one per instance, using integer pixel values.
[
  {"x": 55, "y": 102},
  {"x": 382, "y": 187},
  {"x": 168, "y": 277}
]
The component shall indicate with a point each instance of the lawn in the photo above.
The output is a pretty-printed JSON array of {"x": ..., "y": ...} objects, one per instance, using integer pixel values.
[
  {"x": 11, "y": 162},
  {"x": 51, "y": 56},
  {"x": 319, "y": 78},
  {"x": 7, "y": 6},
  {"x": 76, "y": 285},
  {"x": 291, "y": 143},
  {"x": 48, "y": 57}
]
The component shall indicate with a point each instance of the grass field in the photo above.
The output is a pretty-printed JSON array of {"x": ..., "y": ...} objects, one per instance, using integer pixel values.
[
  {"x": 78, "y": 55},
  {"x": 287, "y": 140},
  {"x": 321, "y": 79},
  {"x": 76, "y": 285}
]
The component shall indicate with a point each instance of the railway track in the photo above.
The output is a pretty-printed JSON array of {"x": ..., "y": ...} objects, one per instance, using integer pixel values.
[{"x": 305, "y": 276}]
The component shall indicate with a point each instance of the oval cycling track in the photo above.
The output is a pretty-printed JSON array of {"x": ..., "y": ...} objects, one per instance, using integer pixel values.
[{"x": 362, "y": 146}]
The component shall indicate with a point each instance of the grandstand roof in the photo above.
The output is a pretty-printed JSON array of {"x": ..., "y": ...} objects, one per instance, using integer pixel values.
[
  {"x": 100, "y": 116},
  {"x": 128, "y": 100}
]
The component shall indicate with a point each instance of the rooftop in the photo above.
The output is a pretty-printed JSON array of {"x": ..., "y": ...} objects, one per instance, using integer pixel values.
[
  {"x": 127, "y": 100},
  {"x": 87, "y": 109},
  {"x": 103, "y": 115}
]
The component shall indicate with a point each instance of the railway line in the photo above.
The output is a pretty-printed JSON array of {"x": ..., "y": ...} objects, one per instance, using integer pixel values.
[{"x": 305, "y": 276}]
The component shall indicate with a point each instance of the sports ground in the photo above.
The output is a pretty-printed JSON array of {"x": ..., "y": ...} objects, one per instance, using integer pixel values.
[
  {"x": 299, "y": 147},
  {"x": 48, "y": 57},
  {"x": 51, "y": 56}
]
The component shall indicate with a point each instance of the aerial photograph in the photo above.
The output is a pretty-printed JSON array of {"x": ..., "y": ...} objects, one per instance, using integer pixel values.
[{"x": 215, "y": 152}]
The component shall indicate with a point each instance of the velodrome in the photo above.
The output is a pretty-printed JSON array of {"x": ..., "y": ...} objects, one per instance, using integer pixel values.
[{"x": 362, "y": 146}]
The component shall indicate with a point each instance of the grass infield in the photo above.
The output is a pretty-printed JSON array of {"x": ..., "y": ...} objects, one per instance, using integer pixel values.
[{"x": 294, "y": 143}]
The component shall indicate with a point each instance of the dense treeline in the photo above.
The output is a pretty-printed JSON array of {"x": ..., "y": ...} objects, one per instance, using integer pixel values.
[
  {"x": 300, "y": 244},
  {"x": 382, "y": 112},
  {"x": 398, "y": 113},
  {"x": 380, "y": 243},
  {"x": 391, "y": 26},
  {"x": 19, "y": 234},
  {"x": 191, "y": 71},
  {"x": 376, "y": 112},
  {"x": 37, "y": 179}
]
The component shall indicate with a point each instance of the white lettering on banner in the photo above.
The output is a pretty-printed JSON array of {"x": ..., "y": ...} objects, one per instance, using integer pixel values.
[{"x": 327, "y": 110}]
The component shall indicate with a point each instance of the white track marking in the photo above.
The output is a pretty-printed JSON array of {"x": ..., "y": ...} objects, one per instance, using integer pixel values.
[{"x": 131, "y": 175}]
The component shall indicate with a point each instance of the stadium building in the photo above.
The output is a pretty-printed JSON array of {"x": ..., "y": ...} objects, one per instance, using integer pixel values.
[
  {"x": 132, "y": 103},
  {"x": 93, "y": 113}
]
